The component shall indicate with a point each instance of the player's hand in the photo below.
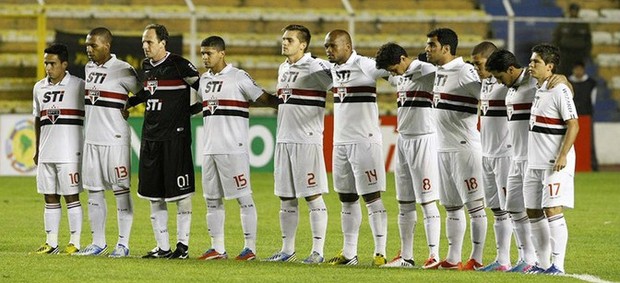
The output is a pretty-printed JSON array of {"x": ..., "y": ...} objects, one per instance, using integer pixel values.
[
  {"x": 125, "y": 113},
  {"x": 560, "y": 163},
  {"x": 557, "y": 79}
]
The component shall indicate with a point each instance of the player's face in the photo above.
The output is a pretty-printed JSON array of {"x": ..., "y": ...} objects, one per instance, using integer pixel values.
[
  {"x": 399, "y": 68},
  {"x": 479, "y": 61},
  {"x": 54, "y": 68},
  {"x": 434, "y": 50},
  {"x": 291, "y": 46},
  {"x": 503, "y": 77},
  {"x": 154, "y": 49},
  {"x": 97, "y": 50},
  {"x": 337, "y": 50},
  {"x": 538, "y": 68},
  {"x": 211, "y": 57}
]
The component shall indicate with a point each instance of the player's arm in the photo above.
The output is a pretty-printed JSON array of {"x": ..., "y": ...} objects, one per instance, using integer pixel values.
[
  {"x": 267, "y": 100},
  {"x": 37, "y": 134},
  {"x": 557, "y": 79},
  {"x": 567, "y": 143}
]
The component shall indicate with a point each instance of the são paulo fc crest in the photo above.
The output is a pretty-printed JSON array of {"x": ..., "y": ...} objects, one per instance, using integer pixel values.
[
  {"x": 212, "y": 104},
  {"x": 93, "y": 95},
  {"x": 509, "y": 110},
  {"x": 151, "y": 86},
  {"x": 342, "y": 92},
  {"x": 436, "y": 99},
  {"x": 53, "y": 114},
  {"x": 402, "y": 96},
  {"x": 484, "y": 106},
  {"x": 285, "y": 93}
]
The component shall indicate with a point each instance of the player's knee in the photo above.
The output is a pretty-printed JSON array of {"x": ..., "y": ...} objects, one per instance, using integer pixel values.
[
  {"x": 475, "y": 204},
  {"x": 286, "y": 199},
  {"x": 52, "y": 198},
  {"x": 348, "y": 197},
  {"x": 72, "y": 198},
  {"x": 535, "y": 213},
  {"x": 406, "y": 202},
  {"x": 372, "y": 197},
  {"x": 551, "y": 211},
  {"x": 311, "y": 198}
]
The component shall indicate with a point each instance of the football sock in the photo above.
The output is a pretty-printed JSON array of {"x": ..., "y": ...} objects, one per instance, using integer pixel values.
[
  {"x": 407, "y": 219},
  {"x": 159, "y": 221},
  {"x": 455, "y": 231},
  {"x": 318, "y": 223},
  {"x": 478, "y": 222},
  {"x": 559, "y": 237},
  {"x": 377, "y": 216},
  {"x": 350, "y": 220},
  {"x": 289, "y": 218},
  {"x": 216, "y": 215},
  {"x": 541, "y": 240},
  {"x": 503, "y": 233},
  {"x": 97, "y": 212},
  {"x": 432, "y": 226},
  {"x": 74, "y": 212},
  {"x": 124, "y": 215},
  {"x": 248, "y": 221},
  {"x": 184, "y": 220},
  {"x": 51, "y": 218},
  {"x": 523, "y": 232}
]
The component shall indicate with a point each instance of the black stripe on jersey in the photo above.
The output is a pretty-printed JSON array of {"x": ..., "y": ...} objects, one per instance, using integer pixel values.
[
  {"x": 416, "y": 103},
  {"x": 519, "y": 117},
  {"x": 548, "y": 131},
  {"x": 495, "y": 113},
  {"x": 458, "y": 108},
  {"x": 105, "y": 104},
  {"x": 355, "y": 99},
  {"x": 63, "y": 121},
  {"x": 304, "y": 102},
  {"x": 226, "y": 112}
]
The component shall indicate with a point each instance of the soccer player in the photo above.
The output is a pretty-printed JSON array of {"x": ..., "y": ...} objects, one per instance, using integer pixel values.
[
  {"x": 166, "y": 167},
  {"x": 107, "y": 154},
  {"x": 300, "y": 172},
  {"x": 549, "y": 182},
  {"x": 226, "y": 94},
  {"x": 358, "y": 166},
  {"x": 416, "y": 171},
  {"x": 58, "y": 102},
  {"x": 455, "y": 95},
  {"x": 496, "y": 151}
]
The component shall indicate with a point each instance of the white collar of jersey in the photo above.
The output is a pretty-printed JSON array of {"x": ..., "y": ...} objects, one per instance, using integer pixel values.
[
  {"x": 106, "y": 64},
  {"x": 160, "y": 61},
  {"x": 456, "y": 62},
  {"x": 223, "y": 71},
  {"x": 574, "y": 79},
  {"x": 544, "y": 85},
  {"x": 351, "y": 58},
  {"x": 64, "y": 81},
  {"x": 301, "y": 60}
]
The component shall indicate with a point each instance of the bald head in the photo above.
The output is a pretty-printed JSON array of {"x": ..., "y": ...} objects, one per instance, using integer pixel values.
[{"x": 338, "y": 46}]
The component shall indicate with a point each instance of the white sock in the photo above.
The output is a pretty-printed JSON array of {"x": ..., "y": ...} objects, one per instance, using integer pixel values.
[
  {"x": 541, "y": 241},
  {"x": 478, "y": 222},
  {"x": 559, "y": 238},
  {"x": 407, "y": 219},
  {"x": 184, "y": 220},
  {"x": 124, "y": 215},
  {"x": 377, "y": 216},
  {"x": 455, "y": 231},
  {"x": 216, "y": 214},
  {"x": 97, "y": 214},
  {"x": 503, "y": 233},
  {"x": 159, "y": 221},
  {"x": 523, "y": 232},
  {"x": 248, "y": 221},
  {"x": 350, "y": 220},
  {"x": 289, "y": 218},
  {"x": 74, "y": 212},
  {"x": 432, "y": 226},
  {"x": 51, "y": 220},
  {"x": 318, "y": 223}
]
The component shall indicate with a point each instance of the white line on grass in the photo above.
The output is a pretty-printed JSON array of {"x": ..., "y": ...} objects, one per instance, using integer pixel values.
[{"x": 588, "y": 278}]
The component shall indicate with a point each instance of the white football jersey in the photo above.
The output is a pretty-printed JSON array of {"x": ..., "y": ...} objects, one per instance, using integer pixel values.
[
  {"x": 455, "y": 95},
  {"x": 226, "y": 100},
  {"x": 302, "y": 88},
  {"x": 550, "y": 109},
  {"x": 107, "y": 90},
  {"x": 60, "y": 110},
  {"x": 414, "y": 99},
  {"x": 356, "y": 114},
  {"x": 493, "y": 121},
  {"x": 518, "y": 106}
]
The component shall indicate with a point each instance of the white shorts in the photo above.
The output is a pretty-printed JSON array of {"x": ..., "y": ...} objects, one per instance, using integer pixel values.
[
  {"x": 545, "y": 188},
  {"x": 416, "y": 171},
  {"x": 226, "y": 176},
  {"x": 358, "y": 168},
  {"x": 106, "y": 167},
  {"x": 299, "y": 170},
  {"x": 494, "y": 179},
  {"x": 59, "y": 179},
  {"x": 514, "y": 187},
  {"x": 460, "y": 174}
]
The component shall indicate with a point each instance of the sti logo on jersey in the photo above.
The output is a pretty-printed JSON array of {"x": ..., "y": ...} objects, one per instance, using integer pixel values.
[
  {"x": 285, "y": 93},
  {"x": 53, "y": 114},
  {"x": 93, "y": 95},
  {"x": 212, "y": 104},
  {"x": 151, "y": 86}
]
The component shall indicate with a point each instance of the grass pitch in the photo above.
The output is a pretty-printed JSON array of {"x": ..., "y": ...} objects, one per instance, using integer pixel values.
[{"x": 593, "y": 247}]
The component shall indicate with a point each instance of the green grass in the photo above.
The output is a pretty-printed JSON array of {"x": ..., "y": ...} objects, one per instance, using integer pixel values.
[{"x": 593, "y": 247}]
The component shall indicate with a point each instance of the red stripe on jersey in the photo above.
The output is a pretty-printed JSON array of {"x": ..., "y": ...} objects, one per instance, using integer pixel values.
[
  {"x": 497, "y": 102},
  {"x": 551, "y": 121},
  {"x": 166, "y": 82},
  {"x": 108, "y": 94},
  {"x": 356, "y": 89},
  {"x": 305, "y": 92},
  {"x": 226, "y": 102},
  {"x": 459, "y": 98},
  {"x": 66, "y": 112},
  {"x": 522, "y": 106},
  {"x": 418, "y": 93}
]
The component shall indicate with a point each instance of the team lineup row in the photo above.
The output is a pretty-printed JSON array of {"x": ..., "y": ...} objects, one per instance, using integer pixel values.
[{"x": 520, "y": 163}]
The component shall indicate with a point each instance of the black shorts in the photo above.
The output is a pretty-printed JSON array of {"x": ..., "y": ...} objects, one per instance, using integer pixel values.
[{"x": 166, "y": 169}]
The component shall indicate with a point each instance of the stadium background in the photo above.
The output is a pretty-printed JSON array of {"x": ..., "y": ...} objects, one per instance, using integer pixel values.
[{"x": 251, "y": 29}]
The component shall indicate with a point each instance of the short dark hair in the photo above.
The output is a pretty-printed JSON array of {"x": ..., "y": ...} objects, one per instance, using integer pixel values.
[
  {"x": 102, "y": 32},
  {"x": 303, "y": 34},
  {"x": 501, "y": 60},
  {"x": 445, "y": 36},
  {"x": 485, "y": 49},
  {"x": 548, "y": 53},
  {"x": 214, "y": 41},
  {"x": 389, "y": 55},
  {"x": 60, "y": 50},
  {"x": 160, "y": 31},
  {"x": 580, "y": 63}
]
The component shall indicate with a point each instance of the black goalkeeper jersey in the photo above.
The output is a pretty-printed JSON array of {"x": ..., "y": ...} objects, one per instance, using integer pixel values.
[{"x": 167, "y": 97}]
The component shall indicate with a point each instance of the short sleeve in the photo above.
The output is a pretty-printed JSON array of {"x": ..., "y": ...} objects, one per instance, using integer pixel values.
[
  {"x": 566, "y": 105},
  {"x": 470, "y": 80},
  {"x": 248, "y": 86}
]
